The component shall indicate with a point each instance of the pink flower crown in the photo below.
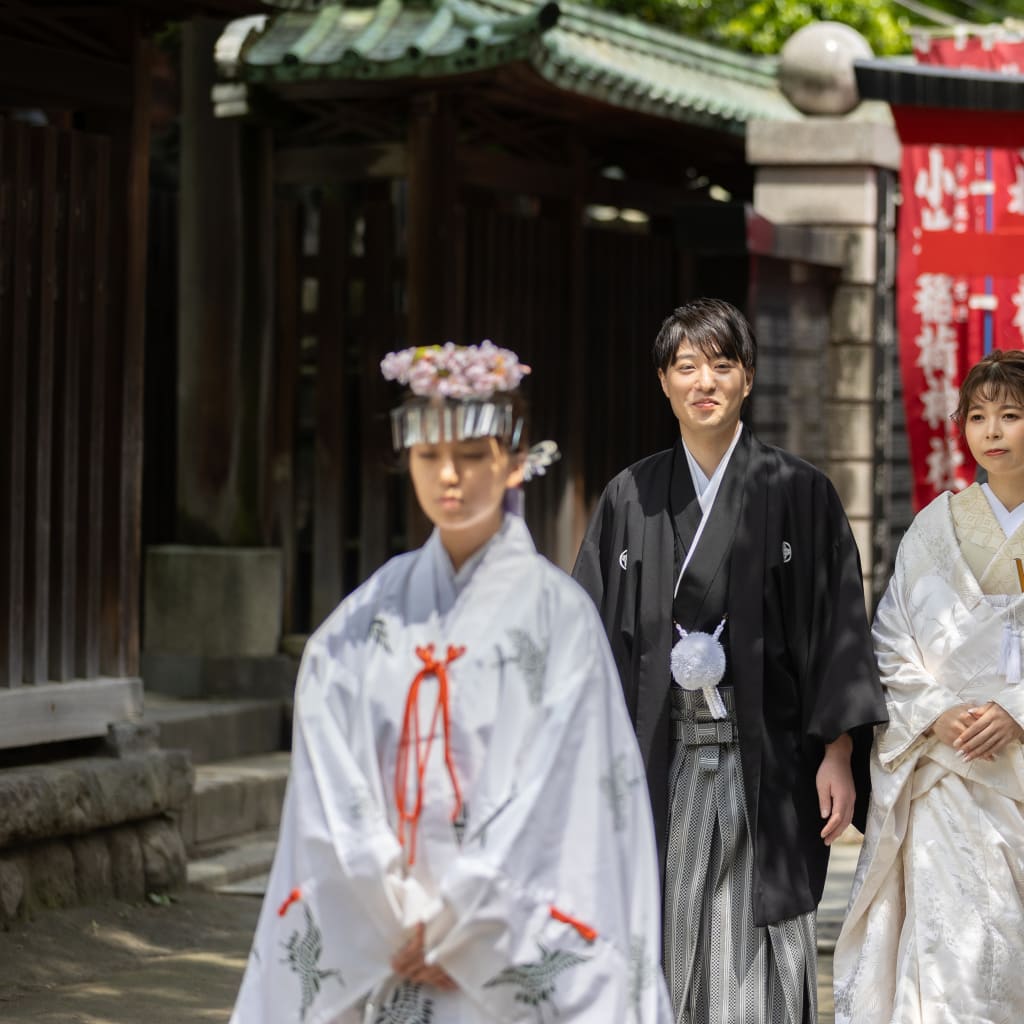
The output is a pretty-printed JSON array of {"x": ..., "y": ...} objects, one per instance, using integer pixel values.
[{"x": 455, "y": 371}]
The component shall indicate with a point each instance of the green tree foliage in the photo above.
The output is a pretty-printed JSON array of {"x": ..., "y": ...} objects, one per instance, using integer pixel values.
[{"x": 763, "y": 26}]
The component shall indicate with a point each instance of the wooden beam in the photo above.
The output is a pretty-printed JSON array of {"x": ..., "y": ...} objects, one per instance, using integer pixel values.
[
  {"x": 64, "y": 589},
  {"x": 14, "y": 175},
  {"x": 62, "y": 76},
  {"x": 430, "y": 284},
  {"x": 66, "y": 711},
  {"x": 432, "y": 189},
  {"x": 281, "y": 489},
  {"x": 572, "y": 512},
  {"x": 330, "y": 447},
  {"x": 493, "y": 170},
  {"x": 313, "y": 165},
  {"x": 121, "y": 657},
  {"x": 41, "y": 422},
  {"x": 500, "y": 172},
  {"x": 93, "y": 287},
  {"x": 377, "y": 489}
]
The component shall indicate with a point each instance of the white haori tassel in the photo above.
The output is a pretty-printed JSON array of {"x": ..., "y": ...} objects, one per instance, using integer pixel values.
[
  {"x": 698, "y": 663},
  {"x": 1009, "y": 654}
]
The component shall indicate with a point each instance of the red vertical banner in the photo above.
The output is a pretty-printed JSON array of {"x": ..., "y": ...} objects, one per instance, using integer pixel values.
[{"x": 960, "y": 276}]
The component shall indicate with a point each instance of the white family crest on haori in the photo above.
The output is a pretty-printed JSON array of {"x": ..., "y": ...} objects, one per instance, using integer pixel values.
[{"x": 433, "y": 783}]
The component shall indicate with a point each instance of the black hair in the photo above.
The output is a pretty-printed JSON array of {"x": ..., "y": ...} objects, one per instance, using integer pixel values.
[
  {"x": 714, "y": 327},
  {"x": 1000, "y": 375}
]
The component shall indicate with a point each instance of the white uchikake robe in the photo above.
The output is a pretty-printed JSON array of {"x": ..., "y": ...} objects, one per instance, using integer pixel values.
[
  {"x": 557, "y": 813},
  {"x": 935, "y": 929}
]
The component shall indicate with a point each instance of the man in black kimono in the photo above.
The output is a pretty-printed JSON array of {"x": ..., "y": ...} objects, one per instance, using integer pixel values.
[{"x": 747, "y": 795}]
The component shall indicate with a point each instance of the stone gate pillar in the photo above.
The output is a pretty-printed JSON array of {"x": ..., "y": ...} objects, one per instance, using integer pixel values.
[{"x": 837, "y": 175}]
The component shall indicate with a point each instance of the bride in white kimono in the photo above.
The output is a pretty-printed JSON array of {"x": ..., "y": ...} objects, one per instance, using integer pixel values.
[
  {"x": 935, "y": 929},
  {"x": 466, "y": 836}
]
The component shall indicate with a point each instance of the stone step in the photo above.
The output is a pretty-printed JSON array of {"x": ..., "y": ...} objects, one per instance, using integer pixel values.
[
  {"x": 218, "y": 730},
  {"x": 239, "y": 866},
  {"x": 234, "y": 798}
]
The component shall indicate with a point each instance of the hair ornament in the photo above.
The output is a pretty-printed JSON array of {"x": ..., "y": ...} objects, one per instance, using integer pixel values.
[
  {"x": 455, "y": 371},
  {"x": 538, "y": 458},
  {"x": 458, "y": 392}
]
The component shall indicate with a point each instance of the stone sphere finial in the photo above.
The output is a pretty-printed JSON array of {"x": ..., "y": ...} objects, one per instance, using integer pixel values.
[{"x": 816, "y": 67}]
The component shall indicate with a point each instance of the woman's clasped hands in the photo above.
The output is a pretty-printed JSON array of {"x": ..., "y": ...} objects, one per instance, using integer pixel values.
[{"x": 977, "y": 732}]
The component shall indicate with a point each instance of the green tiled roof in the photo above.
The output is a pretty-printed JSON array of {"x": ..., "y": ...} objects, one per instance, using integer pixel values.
[{"x": 581, "y": 50}]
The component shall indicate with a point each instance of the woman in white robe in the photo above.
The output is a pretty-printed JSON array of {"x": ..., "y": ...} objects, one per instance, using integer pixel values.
[
  {"x": 935, "y": 929},
  {"x": 466, "y": 836}
]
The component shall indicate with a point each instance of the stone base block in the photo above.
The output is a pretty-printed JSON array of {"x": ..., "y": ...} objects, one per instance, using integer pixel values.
[
  {"x": 125, "y": 862},
  {"x": 80, "y": 795},
  {"x": 218, "y": 602}
]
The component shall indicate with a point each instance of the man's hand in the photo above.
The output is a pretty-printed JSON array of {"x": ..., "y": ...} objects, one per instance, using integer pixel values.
[
  {"x": 990, "y": 729},
  {"x": 408, "y": 963},
  {"x": 949, "y": 726},
  {"x": 836, "y": 792}
]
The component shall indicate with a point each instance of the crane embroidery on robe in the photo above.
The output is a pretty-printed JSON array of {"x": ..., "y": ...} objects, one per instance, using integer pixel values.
[
  {"x": 407, "y": 1004},
  {"x": 304, "y": 952},
  {"x": 379, "y": 633},
  {"x": 460, "y": 822},
  {"x": 536, "y": 981},
  {"x": 616, "y": 786},
  {"x": 531, "y": 660},
  {"x": 641, "y": 968}
]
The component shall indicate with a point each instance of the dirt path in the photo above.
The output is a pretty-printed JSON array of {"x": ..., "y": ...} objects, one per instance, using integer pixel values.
[{"x": 125, "y": 964}]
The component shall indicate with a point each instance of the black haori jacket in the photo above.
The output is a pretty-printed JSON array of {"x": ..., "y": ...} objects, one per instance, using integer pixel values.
[{"x": 797, "y": 638}]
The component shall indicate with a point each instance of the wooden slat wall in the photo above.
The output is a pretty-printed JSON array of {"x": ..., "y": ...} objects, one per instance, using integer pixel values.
[
  {"x": 512, "y": 268},
  {"x": 39, "y": 448},
  {"x": 67, "y": 410},
  {"x": 281, "y": 475},
  {"x": 631, "y": 288},
  {"x": 92, "y": 288},
  {"x": 331, "y": 436},
  {"x": 14, "y": 173},
  {"x": 378, "y": 490},
  {"x": 61, "y": 354}
]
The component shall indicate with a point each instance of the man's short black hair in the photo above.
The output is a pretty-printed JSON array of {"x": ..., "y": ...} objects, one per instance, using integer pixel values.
[{"x": 713, "y": 327}]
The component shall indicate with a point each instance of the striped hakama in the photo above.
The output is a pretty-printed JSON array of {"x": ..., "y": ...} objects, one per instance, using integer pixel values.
[{"x": 721, "y": 967}]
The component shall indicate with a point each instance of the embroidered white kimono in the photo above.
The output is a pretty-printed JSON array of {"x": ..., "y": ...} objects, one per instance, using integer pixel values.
[
  {"x": 935, "y": 929},
  {"x": 541, "y": 899}
]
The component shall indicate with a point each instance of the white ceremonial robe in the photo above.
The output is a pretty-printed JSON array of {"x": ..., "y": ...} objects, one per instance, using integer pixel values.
[
  {"x": 556, "y": 811},
  {"x": 935, "y": 929}
]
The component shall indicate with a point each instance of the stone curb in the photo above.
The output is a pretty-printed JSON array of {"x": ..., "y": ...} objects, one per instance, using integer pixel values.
[
  {"x": 247, "y": 858},
  {"x": 81, "y": 795}
]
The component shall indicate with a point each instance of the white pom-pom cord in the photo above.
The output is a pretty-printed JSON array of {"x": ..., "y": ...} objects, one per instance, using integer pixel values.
[
  {"x": 715, "y": 703},
  {"x": 1009, "y": 655}
]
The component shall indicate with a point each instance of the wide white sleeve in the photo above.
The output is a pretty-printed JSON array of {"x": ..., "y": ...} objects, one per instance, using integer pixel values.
[
  {"x": 914, "y": 698},
  {"x": 336, "y": 902},
  {"x": 554, "y": 901}
]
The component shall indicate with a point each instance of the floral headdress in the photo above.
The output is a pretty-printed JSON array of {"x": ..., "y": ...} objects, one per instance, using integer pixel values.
[{"x": 458, "y": 392}]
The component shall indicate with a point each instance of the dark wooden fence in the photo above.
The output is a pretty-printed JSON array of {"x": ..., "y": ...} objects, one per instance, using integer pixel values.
[
  {"x": 65, "y": 437},
  {"x": 337, "y": 504}
]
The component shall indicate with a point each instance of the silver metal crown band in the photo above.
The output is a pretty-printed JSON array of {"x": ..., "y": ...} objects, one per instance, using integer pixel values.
[{"x": 455, "y": 420}]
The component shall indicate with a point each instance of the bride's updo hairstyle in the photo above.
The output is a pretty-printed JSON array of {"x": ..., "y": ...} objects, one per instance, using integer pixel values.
[{"x": 1000, "y": 375}]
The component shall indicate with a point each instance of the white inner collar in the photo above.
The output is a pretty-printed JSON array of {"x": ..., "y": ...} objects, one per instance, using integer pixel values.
[
  {"x": 1009, "y": 521},
  {"x": 707, "y": 487}
]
